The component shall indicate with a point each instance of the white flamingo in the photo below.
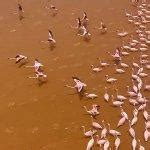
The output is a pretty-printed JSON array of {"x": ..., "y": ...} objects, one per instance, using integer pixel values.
[
  {"x": 104, "y": 130},
  {"x": 116, "y": 103},
  {"x": 134, "y": 120},
  {"x": 123, "y": 113},
  {"x": 142, "y": 107},
  {"x": 131, "y": 93},
  {"x": 133, "y": 101},
  {"x": 124, "y": 65},
  {"x": 103, "y": 64},
  {"x": 110, "y": 80},
  {"x": 88, "y": 133},
  {"x": 95, "y": 124},
  {"x": 131, "y": 130},
  {"x": 90, "y": 144},
  {"x": 122, "y": 34},
  {"x": 117, "y": 143},
  {"x": 146, "y": 134},
  {"x": 146, "y": 115},
  {"x": 113, "y": 132},
  {"x": 135, "y": 111},
  {"x": 106, "y": 95},
  {"x": 118, "y": 70},
  {"x": 93, "y": 111},
  {"x": 140, "y": 146},
  {"x": 96, "y": 69},
  {"x": 120, "y": 97},
  {"x": 147, "y": 125},
  {"x": 99, "y": 141},
  {"x": 135, "y": 88},
  {"x": 106, "y": 145},
  {"x": 91, "y": 95},
  {"x": 121, "y": 122},
  {"x": 134, "y": 144}
]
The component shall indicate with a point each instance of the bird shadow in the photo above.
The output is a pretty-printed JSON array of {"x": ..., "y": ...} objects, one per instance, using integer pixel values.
[
  {"x": 87, "y": 39},
  {"x": 23, "y": 64},
  {"x": 52, "y": 46},
  {"x": 80, "y": 94},
  {"x": 117, "y": 62},
  {"x": 41, "y": 82}
]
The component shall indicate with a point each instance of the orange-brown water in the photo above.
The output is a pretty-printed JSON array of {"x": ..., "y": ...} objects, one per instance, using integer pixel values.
[{"x": 49, "y": 117}]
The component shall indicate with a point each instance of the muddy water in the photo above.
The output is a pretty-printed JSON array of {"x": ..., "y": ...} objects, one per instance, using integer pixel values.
[{"x": 50, "y": 116}]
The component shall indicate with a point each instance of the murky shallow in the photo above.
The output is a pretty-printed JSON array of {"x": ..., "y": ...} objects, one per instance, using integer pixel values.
[{"x": 49, "y": 117}]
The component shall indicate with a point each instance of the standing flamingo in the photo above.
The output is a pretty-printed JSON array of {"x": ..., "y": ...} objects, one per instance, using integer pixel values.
[{"x": 106, "y": 95}]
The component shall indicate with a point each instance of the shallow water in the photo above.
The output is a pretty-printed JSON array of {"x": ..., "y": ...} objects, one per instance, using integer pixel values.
[{"x": 50, "y": 116}]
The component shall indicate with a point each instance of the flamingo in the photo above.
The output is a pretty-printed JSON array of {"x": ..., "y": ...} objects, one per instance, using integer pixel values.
[
  {"x": 106, "y": 96},
  {"x": 103, "y": 64},
  {"x": 146, "y": 135},
  {"x": 106, "y": 145},
  {"x": 130, "y": 93},
  {"x": 135, "y": 111},
  {"x": 124, "y": 53},
  {"x": 117, "y": 142},
  {"x": 91, "y": 96},
  {"x": 133, "y": 101},
  {"x": 123, "y": 113},
  {"x": 116, "y": 103},
  {"x": 147, "y": 87},
  {"x": 142, "y": 100},
  {"x": 78, "y": 84},
  {"x": 142, "y": 74},
  {"x": 134, "y": 144},
  {"x": 96, "y": 69},
  {"x": 141, "y": 107},
  {"x": 122, "y": 34},
  {"x": 100, "y": 141},
  {"x": 133, "y": 40},
  {"x": 90, "y": 144},
  {"x": 104, "y": 130},
  {"x": 125, "y": 47},
  {"x": 120, "y": 71},
  {"x": 134, "y": 120},
  {"x": 88, "y": 133},
  {"x": 95, "y": 124},
  {"x": 140, "y": 146},
  {"x": 120, "y": 97},
  {"x": 110, "y": 80},
  {"x": 131, "y": 130},
  {"x": 135, "y": 88},
  {"x": 113, "y": 132},
  {"x": 147, "y": 66},
  {"x": 147, "y": 124},
  {"x": 121, "y": 122},
  {"x": 135, "y": 64},
  {"x": 146, "y": 115},
  {"x": 127, "y": 14},
  {"x": 124, "y": 65},
  {"x": 135, "y": 77},
  {"x": 93, "y": 111}
]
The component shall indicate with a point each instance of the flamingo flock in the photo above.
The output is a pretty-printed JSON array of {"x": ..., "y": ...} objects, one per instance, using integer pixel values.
[{"x": 139, "y": 43}]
